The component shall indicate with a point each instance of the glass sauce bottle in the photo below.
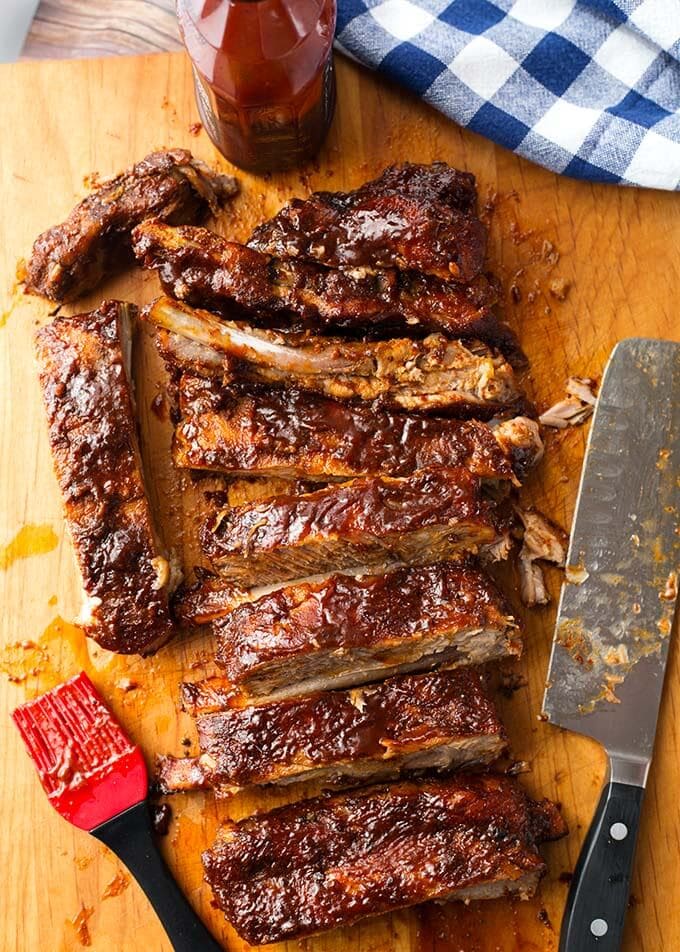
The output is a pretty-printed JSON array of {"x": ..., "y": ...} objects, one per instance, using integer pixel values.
[{"x": 263, "y": 71}]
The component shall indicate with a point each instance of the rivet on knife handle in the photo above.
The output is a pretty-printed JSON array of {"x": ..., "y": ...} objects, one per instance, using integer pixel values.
[{"x": 596, "y": 907}]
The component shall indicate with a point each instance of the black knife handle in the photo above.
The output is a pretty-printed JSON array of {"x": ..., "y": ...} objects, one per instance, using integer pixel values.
[
  {"x": 598, "y": 898},
  {"x": 129, "y": 836}
]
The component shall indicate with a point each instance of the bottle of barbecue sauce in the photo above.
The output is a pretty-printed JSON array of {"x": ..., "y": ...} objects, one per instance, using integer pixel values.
[{"x": 263, "y": 71}]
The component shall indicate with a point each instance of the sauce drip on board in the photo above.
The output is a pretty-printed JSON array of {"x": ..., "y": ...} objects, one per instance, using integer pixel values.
[
  {"x": 263, "y": 74},
  {"x": 498, "y": 925},
  {"x": 40, "y": 665},
  {"x": 29, "y": 540}
]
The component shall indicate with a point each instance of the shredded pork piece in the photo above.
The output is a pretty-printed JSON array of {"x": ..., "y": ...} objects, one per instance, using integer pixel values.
[
  {"x": 542, "y": 540},
  {"x": 582, "y": 388},
  {"x": 498, "y": 551},
  {"x": 532, "y": 582},
  {"x": 576, "y": 408}
]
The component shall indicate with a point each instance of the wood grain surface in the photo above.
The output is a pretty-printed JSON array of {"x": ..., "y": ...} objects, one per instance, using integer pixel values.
[
  {"x": 614, "y": 252},
  {"x": 75, "y": 28}
]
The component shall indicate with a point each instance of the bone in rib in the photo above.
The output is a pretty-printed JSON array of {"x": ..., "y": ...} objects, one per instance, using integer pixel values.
[
  {"x": 299, "y": 435},
  {"x": 441, "y": 719},
  {"x": 430, "y": 515},
  {"x": 423, "y": 375},
  {"x": 347, "y": 630},
  {"x": 203, "y": 269},
  {"x": 321, "y": 863},
  {"x": 126, "y": 574}
]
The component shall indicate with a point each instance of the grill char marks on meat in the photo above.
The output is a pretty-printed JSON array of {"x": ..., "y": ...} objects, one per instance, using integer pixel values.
[
  {"x": 440, "y": 719},
  {"x": 203, "y": 269},
  {"x": 94, "y": 241},
  {"x": 329, "y": 861},
  {"x": 297, "y": 435},
  {"x": 430, "y": 515},
  {"x": 424, "y": 375},
  {"x": 345, "y": 631},
  {"x": 92, "y": 431},
  {"x": 416, "y": 217}
]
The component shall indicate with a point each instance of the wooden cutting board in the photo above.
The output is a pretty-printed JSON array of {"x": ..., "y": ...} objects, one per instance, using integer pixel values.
[{"x": 590, "y": 264}]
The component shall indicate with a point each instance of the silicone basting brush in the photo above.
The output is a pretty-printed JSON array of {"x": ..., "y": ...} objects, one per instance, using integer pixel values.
[{"x": 96, "y": 778}]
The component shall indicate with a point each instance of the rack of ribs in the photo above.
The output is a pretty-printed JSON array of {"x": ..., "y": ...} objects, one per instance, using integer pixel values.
[
  {"x": 203, "y": 269},
  {"x": 87, "y": 392},
  {"x": 94, "y": 241},
  {"x": 326, "y": 862},
  {"x": 418, "y": 217},
  {"x": 433, "y": 374},
  {"x": 441, "y": 719},
  {"x": 347, "y": 630},
  {"x": 295, "y": 434},
  {"x": 430, "y": 515}
]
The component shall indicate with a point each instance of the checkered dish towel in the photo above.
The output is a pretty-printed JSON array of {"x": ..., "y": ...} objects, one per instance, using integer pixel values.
[{"x": 588, "y": 88}]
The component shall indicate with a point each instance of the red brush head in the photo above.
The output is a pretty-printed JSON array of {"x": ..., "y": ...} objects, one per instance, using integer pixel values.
[{"x": 90, "y": 770}]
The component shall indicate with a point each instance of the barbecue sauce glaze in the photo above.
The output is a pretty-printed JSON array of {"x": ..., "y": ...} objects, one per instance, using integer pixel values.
[{"x": 263, "y": 73}]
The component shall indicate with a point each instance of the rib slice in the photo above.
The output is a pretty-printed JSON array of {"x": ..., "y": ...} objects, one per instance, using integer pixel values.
[
  {"x": 94, "y": 241},
  {"x": 430, "y": 515},
  {"x": 348, "y": 630},
  {"x": 440, "y": 719},
  {"x": 329, "y": 861},
  {"x": 203, "y": 269},
  {"x": 297, "y": 435},
  {"x": 126, "y": 575},
  {"x": 425, "y": 375},
  {"x": 419, "y": 217}
]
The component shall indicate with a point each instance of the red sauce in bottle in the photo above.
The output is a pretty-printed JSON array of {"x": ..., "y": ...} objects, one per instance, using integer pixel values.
[{"x": 263, "y": 72}]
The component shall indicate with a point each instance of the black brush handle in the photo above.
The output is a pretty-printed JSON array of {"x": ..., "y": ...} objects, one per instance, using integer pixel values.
[
  {"x": 598, "y": 898},
  {"x": 129, "y": 836}
]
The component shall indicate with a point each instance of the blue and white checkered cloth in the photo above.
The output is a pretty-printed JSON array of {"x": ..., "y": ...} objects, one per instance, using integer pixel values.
[{"x": 587, "y": 88}]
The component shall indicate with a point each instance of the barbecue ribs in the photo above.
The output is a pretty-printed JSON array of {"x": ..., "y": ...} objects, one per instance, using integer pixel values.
[
  {"x": 326, "y": 862},
  {"x": 94, "y": 241},
  {"x": 419, "y": 217},
  {"x": 440, "y": 719},
  {"x": 345, "y": 631},
  {"x": 424, "y": 375},
  {"x": 297, "y": 435},
  {"x": 87, "y": 394},
  {"x": 203, "y": 269},
  {"x": 430, "y": 515}
]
